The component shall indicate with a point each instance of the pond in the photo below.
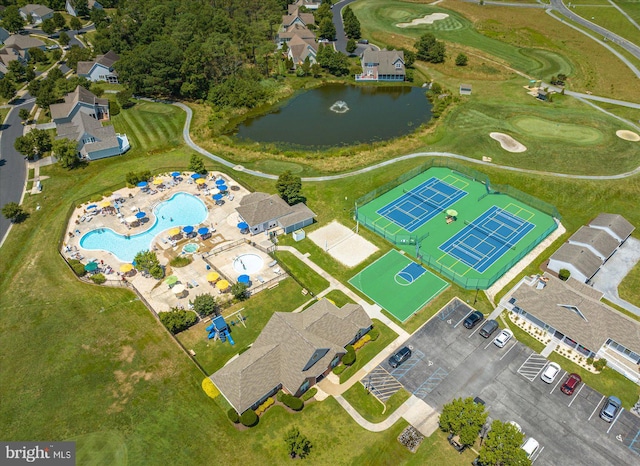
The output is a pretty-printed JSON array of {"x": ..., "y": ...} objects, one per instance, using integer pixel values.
[{"x": 339, "y": 115}]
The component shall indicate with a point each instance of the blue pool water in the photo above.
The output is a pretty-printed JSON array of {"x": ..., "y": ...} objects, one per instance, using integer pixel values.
[{"x": 183, "y": 208}]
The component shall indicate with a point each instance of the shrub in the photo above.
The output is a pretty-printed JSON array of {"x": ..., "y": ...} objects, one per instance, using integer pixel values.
[
  {"x": 350, "y": 357},
  {"x": 590, "y": 361},
  {"x": 374, "y": 333},
  {"x": 210, "y": 389},
  {"x": 361, "y": 342},
  {"x": 233, "y": 416},
  {"x": 98, "y": 279},
  {"x": 180, "y": 261},
  {"x": 292, "y": 402},
  {"x": 114, "y": 108},
  {"x": 564, "y": 275},
  {"x": 177, "y": 320},
  {"x": 600, "y": 364},
  {"x": 264, "y": 406},
  {"x": 309, "y": 394},
  {"x": 339, "y": 369},
  {"x": 78, "y": 267},
  {"x": 249, "y": 418}
]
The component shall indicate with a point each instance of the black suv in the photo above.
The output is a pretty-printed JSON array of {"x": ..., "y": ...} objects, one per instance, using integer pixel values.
[
  {"x": 400, "y": 357},
  {"x": 473, "y": 319}
]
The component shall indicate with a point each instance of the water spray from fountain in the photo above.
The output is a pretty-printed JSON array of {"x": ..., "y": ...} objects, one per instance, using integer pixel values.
[{"x": 339, "y": 107}]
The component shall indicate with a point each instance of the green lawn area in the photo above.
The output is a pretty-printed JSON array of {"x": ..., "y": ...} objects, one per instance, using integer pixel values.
[
  {"x": 370, "y": 350},
  {"x": 302, "y": 272},
  {"x": 631, "y": 7},
  {"x": 338, "y": 297},
  {"x": 608, "y": 382},
  {"x": 609, "y": 18},
  {"x": 629, "y": 286},
  {"x": 212, "y": 355},
  {"x": 371, "y": 408},
  {"x": 524, "y": 337}
]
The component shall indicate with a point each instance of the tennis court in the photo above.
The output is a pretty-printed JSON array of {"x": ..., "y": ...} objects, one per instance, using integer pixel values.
[
  {"x": 398, "y": 284},
  {"x": 487, "y": 238},
  {"x": 420, "y": 204}
]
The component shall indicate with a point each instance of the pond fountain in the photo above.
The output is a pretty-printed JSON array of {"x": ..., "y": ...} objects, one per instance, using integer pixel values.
[{"x": 339, "y": 107}]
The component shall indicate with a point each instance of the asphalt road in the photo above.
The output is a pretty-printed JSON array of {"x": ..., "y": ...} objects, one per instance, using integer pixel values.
[
  {"x": 450, "y": 361},
  {"x": 340, "y": 43},
  {"x": 13, "y": 168}
]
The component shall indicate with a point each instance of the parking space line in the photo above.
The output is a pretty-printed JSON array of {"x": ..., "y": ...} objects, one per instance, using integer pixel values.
[
  {"x": 489, "y": 344},
  {"x": 575, "y": 396},
  {"x": 537, "y": 456},
  {"x": 556, "y": 386},
  {"x": 596, "y": 408},
  {"x": 614, "y": 421},
  {"x": 532, "y": 366},
  {"x": 632, "y": 443},
  {"x": 462, "y": 320},
  {"x": 507, "y": 352},
  {"x": 474, "y": 332}
]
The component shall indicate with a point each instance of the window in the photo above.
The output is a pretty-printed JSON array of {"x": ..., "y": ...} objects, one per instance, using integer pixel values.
[{"x": 398, "y": 65}]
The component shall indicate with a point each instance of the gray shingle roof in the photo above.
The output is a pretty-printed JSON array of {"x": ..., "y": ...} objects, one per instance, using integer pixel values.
[
  {"x": 616, "y": 223},
  {"x": 580, "y": 257},
  {"x": 286, "y": 345},
  {"x": 257, "y": 208},
  {"x": 24, "y": 42},
  {"x": 107, "y": 60},
  {"x": 600, "y": 240},
  {"x": 81, "y": 125},
  {"x": 385, "y": 59},
  {"x": 297, "y": 30},
  {"x": 80, "y": 94},
  {"x": 602, "y": 322},
  {"x": 299, "y": 213},
  {"x": 4, "y": 34},
  {"x": 39, "y": 10}
]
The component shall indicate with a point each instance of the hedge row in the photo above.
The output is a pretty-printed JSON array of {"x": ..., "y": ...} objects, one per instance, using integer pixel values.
[{"x": 264, "y": 406}]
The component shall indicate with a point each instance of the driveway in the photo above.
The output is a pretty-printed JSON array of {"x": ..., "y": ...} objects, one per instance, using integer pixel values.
[{"x": 450, "y": 361}]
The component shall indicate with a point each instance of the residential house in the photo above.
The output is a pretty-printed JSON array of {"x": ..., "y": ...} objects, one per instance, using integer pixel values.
[
  {"x": 296, "y": 30},
  {"x": 579, "y": 260},
  {"x": 4, "y": 35},
  {"x": 293, "y": 352},
  {"x": 80, "y": 100},
  {"x": 70, "y": 6},
  {"x": 263, "y": 212},
  {"x": 37, "y": 13},
  {"x": 24, "y": 42},
  {"x": 300, "y": 49},
  {"x": 94, "y": 140},
  {"x": 9, "y": 54},
  {"x": 614, "y": 224},
  {"x": 308, "y": 4},
  {"x": 295, "y": 20},
  {"x": 572, "y": 313},
  {"x": 382, "y": 65},
  {"x": 100, "y": 69},
  {"x": 600, "y": 242}
]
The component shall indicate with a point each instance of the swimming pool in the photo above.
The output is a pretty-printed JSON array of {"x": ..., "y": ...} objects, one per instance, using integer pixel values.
[{"x": 180, "y": 210}]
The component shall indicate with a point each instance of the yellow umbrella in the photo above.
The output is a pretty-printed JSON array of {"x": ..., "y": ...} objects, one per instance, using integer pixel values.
[
  {"x": 158, "y": 181},
  {"x": 213, "y": 276},
  {"x": 222, "y": 285},
  {"x": 105, "y": 204},
  {"x": 124, "y": 268},
  {"x": 174, "y": 231},
  {"x": 201, "y": 181}
]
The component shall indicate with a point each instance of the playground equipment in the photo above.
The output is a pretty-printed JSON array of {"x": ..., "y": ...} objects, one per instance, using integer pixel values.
[{"x": 219, "y": 329}]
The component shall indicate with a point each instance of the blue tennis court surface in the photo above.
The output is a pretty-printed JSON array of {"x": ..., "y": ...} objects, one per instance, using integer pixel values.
[
  {"x": 487, "y": 238},
  {"x": 416, "y": 207}
]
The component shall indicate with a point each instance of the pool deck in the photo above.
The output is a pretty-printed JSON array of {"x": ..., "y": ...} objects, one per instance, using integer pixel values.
[{"x": 223, "y": 218}]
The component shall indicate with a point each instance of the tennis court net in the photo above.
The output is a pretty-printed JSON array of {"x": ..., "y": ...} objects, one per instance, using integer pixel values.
[
  {"x": 490, "y": 234},
  {"x": 422, "y": 199}
]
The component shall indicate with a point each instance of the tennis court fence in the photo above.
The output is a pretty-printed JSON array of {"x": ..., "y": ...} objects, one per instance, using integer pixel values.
[{"x": 401, "y": 239}]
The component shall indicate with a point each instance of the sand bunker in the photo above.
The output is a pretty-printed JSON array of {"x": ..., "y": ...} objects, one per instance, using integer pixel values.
[
  {"x": 508, "y": 143},
  {"x": 627, "y": 135},
  {"x": 428, "y": 19},
  {"x": 342, "y": 243}
]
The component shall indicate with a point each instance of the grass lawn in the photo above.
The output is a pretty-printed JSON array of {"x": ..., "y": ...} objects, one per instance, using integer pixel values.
[
  {"x": 302, "y": 272},
  {"x": 629, "y": 286},
  {"x": 609, "y": 18},
  {"x": 631, "y": 7},
  {"x": 608, "y": 382},
  {"x": 370, "y": 350},
  {"x": 338, "y": 297},
  {"x": 524, "y": 337},
  {"x": 212, "y": 355},
  {"x": 371, "y": 408}
]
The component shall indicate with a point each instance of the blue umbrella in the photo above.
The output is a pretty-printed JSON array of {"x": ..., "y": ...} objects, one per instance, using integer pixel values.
[
  {"x": 195, "y": 176},
  {"x": 92, "y": 206},
  {"x": 188, "y": 229},
  {"x": 203, "y": 231},
  {"x": 142, "y": 184},
  {"x": 174, "y": 174},
  {"x": 222, "y": 187},
  {"x": 243, "y": 225},
  {"x": 243, "y": 279},
  {"x": 220, "y": 181},
  {"x": 141, "y": 215},
  {"x": 217, "y": 197}
]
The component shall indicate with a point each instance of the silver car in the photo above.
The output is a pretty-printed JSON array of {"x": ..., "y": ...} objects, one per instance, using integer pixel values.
[{"x": 503, "y": 338}]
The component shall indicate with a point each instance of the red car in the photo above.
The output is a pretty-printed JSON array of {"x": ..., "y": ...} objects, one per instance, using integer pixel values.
[{"x": 572, "y": 382}]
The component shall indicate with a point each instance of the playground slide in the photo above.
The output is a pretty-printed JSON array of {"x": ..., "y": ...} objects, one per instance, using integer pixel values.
[
  {"x": 228, "y": 335},
  {"x": 210, "y": 328},
  {"x": 211, "y": 335}
]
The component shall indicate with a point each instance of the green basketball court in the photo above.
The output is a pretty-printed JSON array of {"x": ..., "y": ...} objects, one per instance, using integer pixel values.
[{"x": 398, "y": 284}]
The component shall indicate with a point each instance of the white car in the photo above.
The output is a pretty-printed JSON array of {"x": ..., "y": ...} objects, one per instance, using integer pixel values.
[
  {"x": 550, "y": 372},
  {"x": 502, "y": 338},
  {"x": 530, "y": 447}
]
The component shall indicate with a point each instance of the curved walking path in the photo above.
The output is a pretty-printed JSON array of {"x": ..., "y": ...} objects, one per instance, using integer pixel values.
[{"x": 415, "y": 155}]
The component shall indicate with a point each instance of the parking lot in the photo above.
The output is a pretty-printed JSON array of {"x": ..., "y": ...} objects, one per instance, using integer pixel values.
[{"x": 449, "y": 361}]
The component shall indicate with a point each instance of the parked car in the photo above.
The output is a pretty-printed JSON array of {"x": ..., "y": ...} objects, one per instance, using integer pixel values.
[
  {"x": 472, "y": 319},
  {"x": 550, "y": 373},
  {"x": 401, "y": 356},
  {"x": 363, "y": 41},
  {"x": 503, "y": 338},
  {"x": 572, "y": 382},
  {"x": 488, "y": 328},
  {"x": 610, "y": 409},
  {"x": 530, "y": 447}
]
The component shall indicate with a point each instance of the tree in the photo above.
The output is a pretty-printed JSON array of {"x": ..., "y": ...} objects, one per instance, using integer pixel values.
[
  {"x": 502, "y": 446},
  {"x": 58, "y": 20},
  {"x": 438, "y": 53},
  {"x": 351, "y": 45},
  {"x": 147, "y": 261},
  {"x": 48, "y": 26},
  {"x": 205, "y": 305},
  {"x": 297, "y": 444},
  {"x": 177, "y": 320},
  {"x": 76, "y": 54},
  {"x": 289, "y": 187},
  {"x": 13, "y": 212},
  {"x": 335, "y": 62},
  {"x": 351, "y": 23},
  {"x": 327, "y": 30},
  {"x": 64, "y": 38},
  {"x": 196, "y": 164},
  {"x": 24, "y": 114},
  {"x": 11, "y": 19},
  {"x": 99, "y": 17},
  {"x": 409, "y": 57},
  {"x": 463, "y": 418},
  {"x": 462, "y": 60},
  {"x": 66, "y": 151},
  {"x": 124, "y": 98},
  {"x": 7, "y": 88},
  {"x": 37, "y": 55},
  {"x": 239, "y": 291},
  {"x": 429, "y": 49},
  {"x": 564, "y": 274},
  {"x": 75, "y": 24},
  {"x": 35, "y": 143},
  {"x": 81, "y": 7}
]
